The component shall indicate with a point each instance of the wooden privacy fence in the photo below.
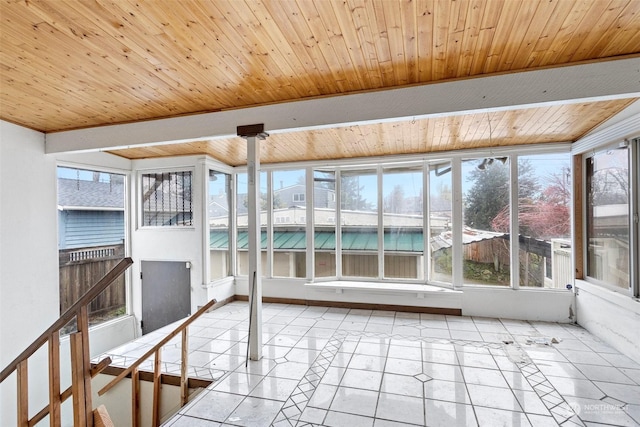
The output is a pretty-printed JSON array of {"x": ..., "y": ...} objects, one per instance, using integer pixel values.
[{"x": 80, "y": 268}]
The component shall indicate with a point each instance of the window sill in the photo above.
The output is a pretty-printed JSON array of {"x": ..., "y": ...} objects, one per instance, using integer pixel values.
[
  {"x": 618, "y": 298},
  {"x": 403, "y": 288}
]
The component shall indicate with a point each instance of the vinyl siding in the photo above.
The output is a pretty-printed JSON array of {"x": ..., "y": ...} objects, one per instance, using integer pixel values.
[{"x": 90, "y": 228}]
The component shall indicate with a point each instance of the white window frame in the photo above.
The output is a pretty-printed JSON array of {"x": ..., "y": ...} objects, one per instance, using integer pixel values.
[
  {"x": 634, "y": 185},
  {"x": 140, "y": 201},
  {"x": 455, "y": 158}
]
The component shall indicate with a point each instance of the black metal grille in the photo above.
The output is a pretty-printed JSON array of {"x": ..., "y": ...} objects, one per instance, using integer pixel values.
[{"x": 167, "y": 199}]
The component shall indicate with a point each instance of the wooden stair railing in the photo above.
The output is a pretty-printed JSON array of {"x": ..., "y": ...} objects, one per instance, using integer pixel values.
[
  {"x": 133, "y": 371},
  {"x": 81, "y": 372}
]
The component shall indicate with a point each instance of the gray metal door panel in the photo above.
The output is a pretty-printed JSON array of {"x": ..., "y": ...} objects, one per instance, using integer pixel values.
[{"x": 166, "y": 293}]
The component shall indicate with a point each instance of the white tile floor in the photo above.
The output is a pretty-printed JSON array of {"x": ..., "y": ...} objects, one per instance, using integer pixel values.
[{"x": 339, "y": 367}]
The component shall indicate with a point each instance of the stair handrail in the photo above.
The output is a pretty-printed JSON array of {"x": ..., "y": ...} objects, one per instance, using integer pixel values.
[
  {"x": 132, "y": 370},
  {"x": 68, "y": 315},
  {"x": 81, "y": 370}
]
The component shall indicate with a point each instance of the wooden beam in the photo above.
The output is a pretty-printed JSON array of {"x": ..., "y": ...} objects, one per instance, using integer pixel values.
[
  {"x": 584, "y": 82},
  {"x": 167, "y": 379},
  {"x": 83, "y": 329},
  {"x": 104, "y": 364},
  {"x": 23, "y": 393},
  {"x": 157, "y": 385},
  {"x": 135, "y": 398},
  {"x": 77, "y": 381},
  {"x": 184, "y": 368},
  {"x": 101, "y": 417},
  {"x": 54, "y": 380},
  {"x": 101, "y": 366}
]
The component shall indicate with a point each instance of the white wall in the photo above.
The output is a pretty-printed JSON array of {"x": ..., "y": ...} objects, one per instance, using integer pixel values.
[
  {"x": 29, "y": 297},
  {"x": 521, "y": 304},
  {"x": 170, "y": 243},
  {"x": 611, "y": 316},
  {"x": 118, "y": 400}
]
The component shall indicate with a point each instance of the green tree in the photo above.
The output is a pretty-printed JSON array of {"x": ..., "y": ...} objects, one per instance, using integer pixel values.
[
  {"x": 489, "y": 194},
  {"x": 351, "y": 194},
  {"x": 394, "y": 202}
]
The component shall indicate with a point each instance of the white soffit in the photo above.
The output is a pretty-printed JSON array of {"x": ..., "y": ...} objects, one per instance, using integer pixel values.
[{"x": 588, "y": 82}]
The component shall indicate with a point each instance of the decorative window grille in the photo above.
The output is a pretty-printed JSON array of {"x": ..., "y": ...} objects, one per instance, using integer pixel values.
[{"x": 167, "y": 199}]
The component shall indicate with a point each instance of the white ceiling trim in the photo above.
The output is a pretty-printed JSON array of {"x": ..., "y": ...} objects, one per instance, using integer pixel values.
[
  {"x": 587, "y": 82},
  {"x": 626, "y": 129}
]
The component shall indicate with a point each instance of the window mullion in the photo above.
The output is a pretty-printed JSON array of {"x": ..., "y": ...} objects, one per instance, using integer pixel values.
[
  {"x": 269, "y": 203},
  {"x": 456, "y": 207},
  {"x": 310, "y": 223},
  {"x": 380, "y": 225},
  {"x": 338, "y": 189},
  {"x": 426, "y": 222},
  {"x": 515, "y": 233},
  {"x": 634, "y": 192}
]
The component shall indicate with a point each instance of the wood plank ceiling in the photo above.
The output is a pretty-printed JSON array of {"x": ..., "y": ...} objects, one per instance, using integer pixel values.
[{"x": 73, "y": 64}]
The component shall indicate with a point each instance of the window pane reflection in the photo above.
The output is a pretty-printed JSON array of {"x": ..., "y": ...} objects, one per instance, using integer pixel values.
[{"x": 608, "y": 217}]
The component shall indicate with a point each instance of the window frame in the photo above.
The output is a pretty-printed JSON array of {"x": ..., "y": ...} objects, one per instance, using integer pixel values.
[
  {"x": 634, "y": 185},
  {"x": 231, "y": 228},
  {"x": 454, "y": 158},
  {"x": 127, "y": 175},
  {"x": 140, "y": 226}
]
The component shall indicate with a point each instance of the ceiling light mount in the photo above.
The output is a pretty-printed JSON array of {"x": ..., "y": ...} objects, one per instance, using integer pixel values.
[{"x": 255, "y": 130}]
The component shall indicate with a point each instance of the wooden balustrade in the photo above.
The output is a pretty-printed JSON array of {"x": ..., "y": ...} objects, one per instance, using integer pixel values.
[
  {"x": 81, "y": 370},
  {"x": 82, "y": 373},
  {"x": 134, "y": 372}
]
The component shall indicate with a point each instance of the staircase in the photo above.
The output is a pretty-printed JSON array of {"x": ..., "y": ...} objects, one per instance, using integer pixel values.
[{"x": 83, "y": 371}]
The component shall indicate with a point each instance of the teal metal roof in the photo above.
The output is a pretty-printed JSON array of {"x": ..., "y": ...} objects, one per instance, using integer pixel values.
[{"x": 326, "y": 240}]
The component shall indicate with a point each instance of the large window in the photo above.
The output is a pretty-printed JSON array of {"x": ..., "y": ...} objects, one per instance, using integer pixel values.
[
  {"x": 486, "y": 224},
  {"x": 440, "y": 222},
  {"x": 290, "y": 223},
  {"x": 219, "y": 231},
  {"x": 324, "y": 218},
  {"x": 359, "y": 210},
  {"x": 91, "y": 239},
  {"x": 403, "y": 222},
  {"x": 508, "y": 216},
  {"x": 544, "y": 220},
  {"x": 608, "y": 225},
  {"x": 242, "y": 221}
]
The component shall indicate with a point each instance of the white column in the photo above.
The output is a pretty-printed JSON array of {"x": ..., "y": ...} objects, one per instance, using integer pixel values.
[{"x": 252, "y": 134}]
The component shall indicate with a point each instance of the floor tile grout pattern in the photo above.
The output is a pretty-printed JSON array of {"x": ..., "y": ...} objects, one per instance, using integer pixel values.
[{"x": 334, "y": 367}]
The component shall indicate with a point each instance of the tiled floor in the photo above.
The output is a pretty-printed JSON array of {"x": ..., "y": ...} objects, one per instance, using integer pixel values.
[{"x": 339, "y": 367}]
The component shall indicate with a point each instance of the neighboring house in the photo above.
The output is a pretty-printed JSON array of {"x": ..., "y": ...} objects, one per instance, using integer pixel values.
[
  {"x": 293, "y": 195},
  {"x": 90, "y": 213},
  {"x": 218, "y": 206}
]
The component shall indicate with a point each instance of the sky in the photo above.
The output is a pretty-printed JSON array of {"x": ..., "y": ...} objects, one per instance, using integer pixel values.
[{"x": 544, "y": 165}]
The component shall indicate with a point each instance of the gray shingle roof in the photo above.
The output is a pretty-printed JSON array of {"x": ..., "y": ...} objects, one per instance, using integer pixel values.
[{"x": 90, "y": 194}]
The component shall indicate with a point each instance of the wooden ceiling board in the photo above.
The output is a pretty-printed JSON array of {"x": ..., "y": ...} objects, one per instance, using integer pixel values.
[
  {"x": 74, "y": 64},
  {"x": 562, "y": 123}
]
